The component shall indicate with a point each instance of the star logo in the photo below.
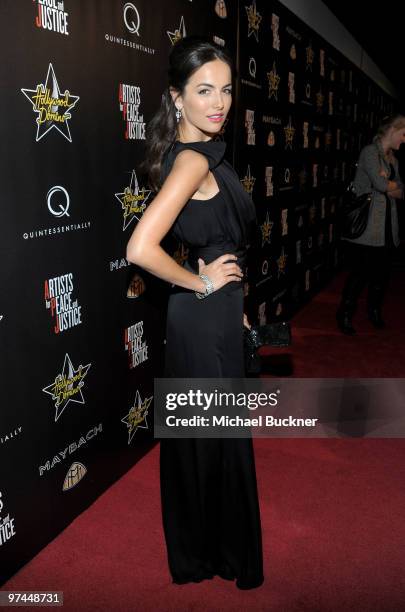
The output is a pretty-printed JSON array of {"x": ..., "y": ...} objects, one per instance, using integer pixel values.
[
  {"x": 179, "y": 33},
  {"x": 281, "y": 263},
  {"x": 266, "y": 228},
  {"x": 320, "y": 98},
  {"x": 289, "y": 132},
  {"x": 274, "y": 82},
  {"x": 310, "y": 57},
  {"x": 248, "y": 182},
  {"x": 133, "y": 201},
  {"x": 254, "y": 19},
  {"x": 67, "y": 386},
  {"x": 137, "y": 415},
  {"x": 52, "y": 106}
]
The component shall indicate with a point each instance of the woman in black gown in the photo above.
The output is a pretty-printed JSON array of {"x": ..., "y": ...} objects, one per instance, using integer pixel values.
[{"x": 210, "y": 506}]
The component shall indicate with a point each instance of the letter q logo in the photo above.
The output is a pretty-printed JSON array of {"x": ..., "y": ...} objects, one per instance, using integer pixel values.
[
  {"x": 61, "y": 209},
  {"x": 129, "y": 19}
]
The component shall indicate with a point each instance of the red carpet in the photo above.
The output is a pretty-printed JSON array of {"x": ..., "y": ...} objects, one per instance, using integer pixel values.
[{"x": 332, "y": 510}]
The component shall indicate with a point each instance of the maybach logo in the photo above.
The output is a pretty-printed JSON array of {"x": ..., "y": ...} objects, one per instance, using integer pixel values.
[
  {"x": 133, "y": 201},
  {"x": 67, "y": 386},
  {"x": 68, "y": 450},
  {"x": 58, "y": 298},
  {"x": 7, "y": 527},
  {"x": 52, "y": 16},
  {"x": 254, "y": 19},
  {"x": 248, "y": 181},
  {"x": 136, "y": 417},
  {"x": 52, "y": 106},
  {"x": 135, "y": 345},
  {"x": 179, "y": 33},
  {"x": 130, "y": 99},
  {"x": 76, "y": 472}
]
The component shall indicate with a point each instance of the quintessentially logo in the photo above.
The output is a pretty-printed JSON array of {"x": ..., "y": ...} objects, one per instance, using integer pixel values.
[
  {"x": 52, "y": 16},
  {"x": 136, "y": 417},
  {"x": 266, "y": 228},
  {"x": 252, "y": 67},
  {"x": 248, "y": 181},
  {"x": 289, "y": 132},
  {"x": 135, "y": 345},
  {"x": 136, "y": 287},
  {"x": 129, "y": 97},
  {"x": 274, "y": 82},
  {"x": 76, "y": 472},
  {"x": 220, "y": 9},
  {"x": 312, "y": 214},
  {"x": 314, "y": 175},
  {"x": 133, "y": 201},
  {"x": 330, "y": 103},
  {"x": 254, "y": 19},
  {"x": 275, "y": 24},
  {"x": 131, "y": 18},
  {"x": 179, "y": 33},
  {"x": 309, "y": 54},
  {"x": 67, "y": 386},
  {"x": 52, "y": 106},
  {"x": 307, "y": 280},
  {"x": 4, "y": 438},
  {"x": 65, "y": 311},
  {"x": 70, "y": 449},
  {"x": 58, "y": 206},
  {"x": 249, "y": 125},
  {"x": 7, "y": 527}
]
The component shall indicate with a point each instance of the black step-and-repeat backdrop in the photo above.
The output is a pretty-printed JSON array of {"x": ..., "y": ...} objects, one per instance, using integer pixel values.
[{"x": 81, "y": 329}]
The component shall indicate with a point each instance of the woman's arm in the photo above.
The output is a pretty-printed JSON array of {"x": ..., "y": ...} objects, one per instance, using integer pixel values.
[
  {"x": 189, "y": 171},
  {"x": 370, "y": 162}
]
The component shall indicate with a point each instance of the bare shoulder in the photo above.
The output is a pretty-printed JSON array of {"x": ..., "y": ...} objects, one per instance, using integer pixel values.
[{"x": 191, "y": 160}]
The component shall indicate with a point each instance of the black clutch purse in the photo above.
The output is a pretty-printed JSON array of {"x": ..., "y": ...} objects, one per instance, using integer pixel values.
[
  {"x": 355, "y": 213},
  {"x": 273, "y": 334}
]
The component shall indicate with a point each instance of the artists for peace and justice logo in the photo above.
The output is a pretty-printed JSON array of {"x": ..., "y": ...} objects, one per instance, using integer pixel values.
[
  {"x": 135, "y": 345},
  {"x": 65, "y": 311},
  {"x": 7, "y": 527},
  {"x": 52, "y": 16},
  {"x": 67, "y": 386},
  {"x": 136, "y": 417},
  {"x": 129, "y": 97},
  {"x": 133, "y": 201}
]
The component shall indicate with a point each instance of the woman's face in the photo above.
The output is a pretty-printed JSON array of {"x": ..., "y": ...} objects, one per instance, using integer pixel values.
[
  {"x": 397, "y": 138},
  {"x": 205, "y": 102}
]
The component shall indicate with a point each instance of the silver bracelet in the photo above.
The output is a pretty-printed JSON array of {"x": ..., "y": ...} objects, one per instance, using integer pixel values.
[{"x": 209, "y": 287}]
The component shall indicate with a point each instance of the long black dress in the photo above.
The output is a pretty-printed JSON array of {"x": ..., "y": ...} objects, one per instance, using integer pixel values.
[{"x": 209, "y": 498}]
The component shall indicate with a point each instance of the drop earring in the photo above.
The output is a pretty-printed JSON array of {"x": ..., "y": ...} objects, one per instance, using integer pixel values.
[{"x": 178, "y": 115}]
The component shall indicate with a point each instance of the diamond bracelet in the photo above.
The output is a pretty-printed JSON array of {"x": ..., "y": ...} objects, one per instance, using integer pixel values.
[{"x": 209, "y": 287}]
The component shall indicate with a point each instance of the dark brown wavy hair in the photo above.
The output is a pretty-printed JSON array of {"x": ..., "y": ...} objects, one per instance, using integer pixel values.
[{"x": 187, "y": 56}]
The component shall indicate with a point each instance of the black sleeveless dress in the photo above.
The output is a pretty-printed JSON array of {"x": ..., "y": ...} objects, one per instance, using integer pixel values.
[{"x": 209, "y": 497}]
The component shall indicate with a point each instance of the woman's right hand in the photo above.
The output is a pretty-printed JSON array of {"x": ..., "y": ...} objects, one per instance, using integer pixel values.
[{"x": 221, "y": 271}]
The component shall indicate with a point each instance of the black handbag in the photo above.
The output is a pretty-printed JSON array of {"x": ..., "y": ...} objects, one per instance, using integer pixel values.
[
  {"x": 355, "y": 213},
  {"x": 272, "y": 334}
]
